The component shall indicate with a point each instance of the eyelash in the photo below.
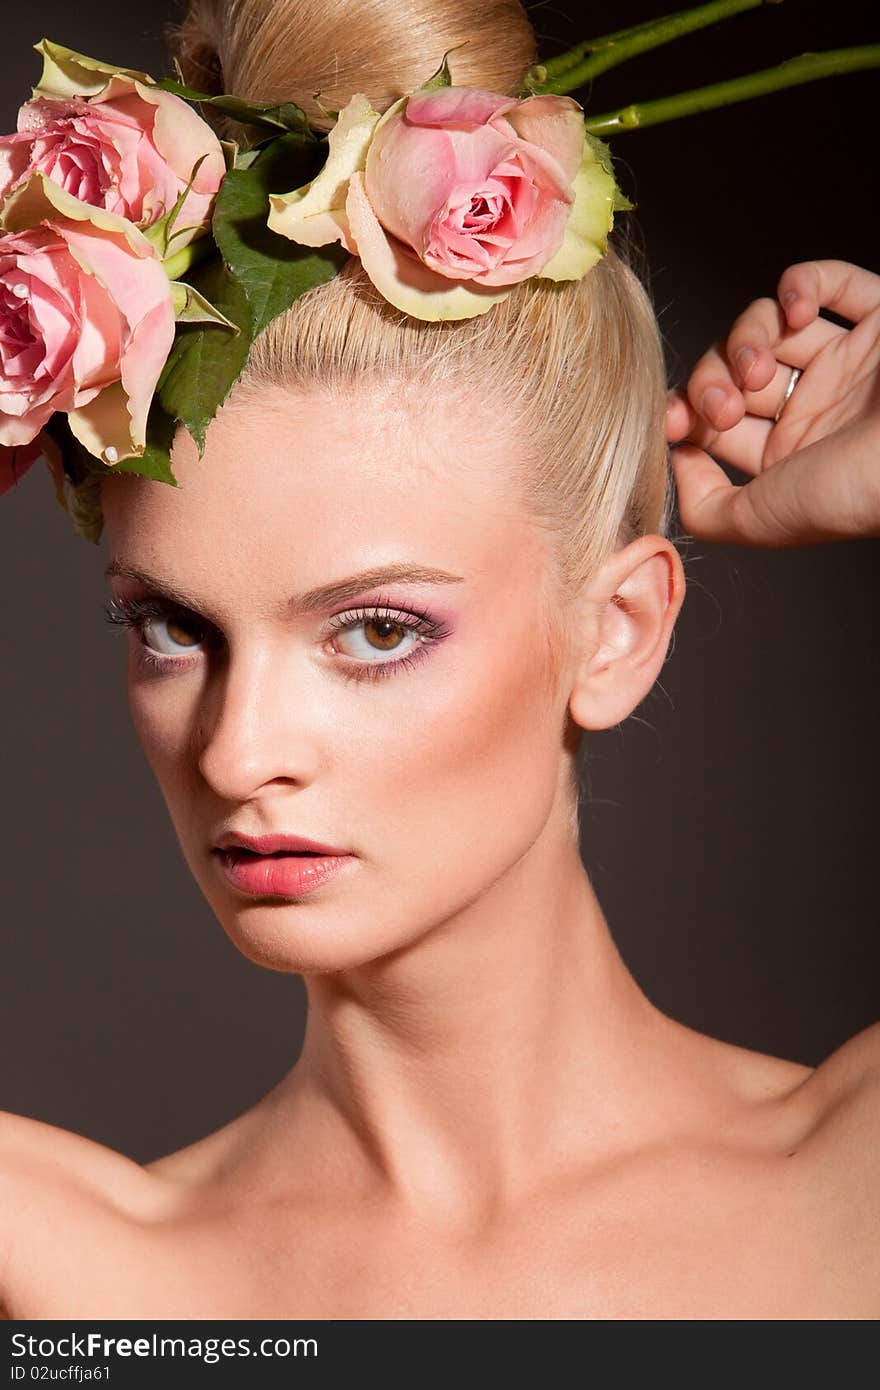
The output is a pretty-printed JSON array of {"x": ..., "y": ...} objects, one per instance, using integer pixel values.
[{"x": 136, "y": 613}]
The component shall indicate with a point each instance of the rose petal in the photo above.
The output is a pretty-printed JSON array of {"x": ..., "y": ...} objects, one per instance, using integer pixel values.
[
  {"x": 450, "y": 106},
  {"x": 142, "y": 362},
  {"x": 116, "y": 418},
  {"x": 40, "y": 198},
  {"x": 402, "y": 279},
  {"x": 585, "y": 240},
  {"x": 15, "y": 430},
  {"x": 56, "y": 328},
  {"x": 181, "y": 137},
  {"x": 69, "y": 74},
  {"x": 99, "y": 344},
  {"x": 314, "y": 215},
  {"x": 555, "y": 125},
  {"x": 135, "y": 283},
  {"x": 104, "y": 423},
  {"x": 411, "y": 173}
]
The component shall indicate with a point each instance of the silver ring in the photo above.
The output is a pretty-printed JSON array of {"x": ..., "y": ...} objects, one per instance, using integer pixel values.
[{"x": 796, "y": 372}]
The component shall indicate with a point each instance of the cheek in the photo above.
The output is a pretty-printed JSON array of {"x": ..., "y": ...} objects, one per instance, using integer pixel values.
[
  {"x": 161, "y": 715},
  {"x": 471, "y": 746}
]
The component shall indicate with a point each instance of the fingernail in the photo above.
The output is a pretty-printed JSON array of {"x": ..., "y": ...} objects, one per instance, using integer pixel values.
[
  {"x": 713, "y": 402},
  {"x": 789, "y": 298},
  {"x": 745, "y": 360}
]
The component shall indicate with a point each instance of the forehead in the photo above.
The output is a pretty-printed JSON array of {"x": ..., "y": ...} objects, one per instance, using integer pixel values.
[{"x": 302, "y": 485}]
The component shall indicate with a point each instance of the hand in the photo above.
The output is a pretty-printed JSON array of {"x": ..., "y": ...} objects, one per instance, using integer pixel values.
[{"x": 814, "y": 475}]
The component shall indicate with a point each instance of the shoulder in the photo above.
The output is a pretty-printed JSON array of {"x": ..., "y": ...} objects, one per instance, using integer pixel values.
[
  {"x": 57, "y": 1185},
  {"x": 839, "y": 1106},
  {"x": 844, "y": 1093},
  {"x": 34, "y": 1151}
]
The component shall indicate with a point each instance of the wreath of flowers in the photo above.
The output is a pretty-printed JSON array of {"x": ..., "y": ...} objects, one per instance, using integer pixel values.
[{"x": 140, "y": 255}]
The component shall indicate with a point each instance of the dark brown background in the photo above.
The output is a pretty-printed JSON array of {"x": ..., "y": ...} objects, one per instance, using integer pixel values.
[{"x": 731, "y": 832}]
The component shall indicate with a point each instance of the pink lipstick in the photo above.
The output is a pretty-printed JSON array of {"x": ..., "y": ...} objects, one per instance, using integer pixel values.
[{"x": 286, "y": 866}]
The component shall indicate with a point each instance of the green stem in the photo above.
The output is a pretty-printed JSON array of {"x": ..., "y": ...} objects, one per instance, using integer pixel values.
[
  {"x": 611, "y": 49},
  {"x": 805, "y": 68},
  {"x": 183, "y": 260}
]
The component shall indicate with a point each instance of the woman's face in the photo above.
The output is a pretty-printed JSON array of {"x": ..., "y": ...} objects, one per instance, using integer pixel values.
[{"x": 414, "y": 723}]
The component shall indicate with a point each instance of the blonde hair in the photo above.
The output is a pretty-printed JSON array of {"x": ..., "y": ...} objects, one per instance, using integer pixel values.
[{"x": 579, "y": 363}]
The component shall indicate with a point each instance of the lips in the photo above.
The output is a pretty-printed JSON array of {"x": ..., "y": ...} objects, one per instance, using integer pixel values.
[
  {"x": 279, "y": 873},
  {"x": 276, "y": 854},
  {"x": 269, "y": 845}
]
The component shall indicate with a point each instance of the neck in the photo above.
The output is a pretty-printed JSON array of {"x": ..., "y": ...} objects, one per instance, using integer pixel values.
[{"x": 470, "y": 1066}]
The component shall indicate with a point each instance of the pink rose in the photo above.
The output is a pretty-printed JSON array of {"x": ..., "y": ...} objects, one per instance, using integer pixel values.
[
  {"x": 128, "y": 146},
  {"x": 478, "y": 185},
  {"x": 86, "y": 321},
  {"x": 455, "y": 195}
]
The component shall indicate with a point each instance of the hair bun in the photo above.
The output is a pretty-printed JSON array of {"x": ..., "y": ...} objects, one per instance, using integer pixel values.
[
  {"x": 195, "y": 43},
  {"x": 296, "y": 50}
]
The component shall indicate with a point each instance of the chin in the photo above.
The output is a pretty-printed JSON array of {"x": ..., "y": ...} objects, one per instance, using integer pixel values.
[
  {"x": 302, "y": 939},
  {"x": 334, "y": 927}
]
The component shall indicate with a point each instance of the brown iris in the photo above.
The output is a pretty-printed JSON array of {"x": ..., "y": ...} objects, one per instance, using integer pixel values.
[
  {"x": 175, "y": 626},
  {"x": 388, "y": 633}
]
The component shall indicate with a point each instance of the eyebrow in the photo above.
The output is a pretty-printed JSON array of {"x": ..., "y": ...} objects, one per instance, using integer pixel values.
[{"x": 313, "y": 600}]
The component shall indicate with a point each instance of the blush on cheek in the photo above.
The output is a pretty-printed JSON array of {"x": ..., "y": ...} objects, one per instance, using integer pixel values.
[
  {"x": 159, "y": 723},
  {"x": 494, "y": 748}
]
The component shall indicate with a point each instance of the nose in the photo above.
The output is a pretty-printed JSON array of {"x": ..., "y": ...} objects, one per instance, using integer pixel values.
[{"x": 260, "y": 723}]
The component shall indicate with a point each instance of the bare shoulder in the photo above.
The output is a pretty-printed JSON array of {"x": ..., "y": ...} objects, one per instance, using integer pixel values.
[
  {"x": 840, "y": 1152},
  {"x": 844, "y": 1096},
  {"x": 834, "y": 1106},
  {"x": 52, "y": 1182},
  {"x": 34, "y": 1152}
]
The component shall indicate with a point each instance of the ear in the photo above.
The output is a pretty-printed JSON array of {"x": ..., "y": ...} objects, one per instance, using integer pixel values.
[{"x": 633, "y": 602}]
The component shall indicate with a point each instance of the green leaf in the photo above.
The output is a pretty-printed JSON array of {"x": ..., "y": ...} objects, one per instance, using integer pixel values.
[
  {"x": 286, "y": 116},
  {"x": 442, "y": 77},
  {"x": 273, "y": 270},
  {"x": 206, "y": 360},
  {"x": 245, "y": 158},
  {"x": 155, "y": 461},
  {"x": 192, "y": 307}
]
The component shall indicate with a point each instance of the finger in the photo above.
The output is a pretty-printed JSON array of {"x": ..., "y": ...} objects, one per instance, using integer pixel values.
[
  {"x": 844, "y": 288},
  {"x": 743, "y": 446},
  {"x": 803, "y": 499},
  {"x": 768, "y": 403},
  {"x": 679, "y": 416},
  {"x": 760, "y": 338},
  {"x": 717, "y": 404},
  {"x": 768, "y": 380},
  {"x": 711, "y": 392},
  {"x": 751, "y": 343}
]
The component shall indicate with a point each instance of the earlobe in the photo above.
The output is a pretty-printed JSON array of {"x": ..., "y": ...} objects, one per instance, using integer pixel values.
[{"x": 635, "y": 599}]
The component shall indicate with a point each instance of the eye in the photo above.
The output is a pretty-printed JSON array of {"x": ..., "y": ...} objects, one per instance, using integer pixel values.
[
  {"x": 165, "y": 633},
  {"x": 383, "y": 638},
  {"x": 181, "y": 631},
  {"x": 372, "y": 638}
]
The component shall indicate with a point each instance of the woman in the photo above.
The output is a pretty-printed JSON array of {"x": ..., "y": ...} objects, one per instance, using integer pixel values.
[{"x": 351, "y": 626}]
